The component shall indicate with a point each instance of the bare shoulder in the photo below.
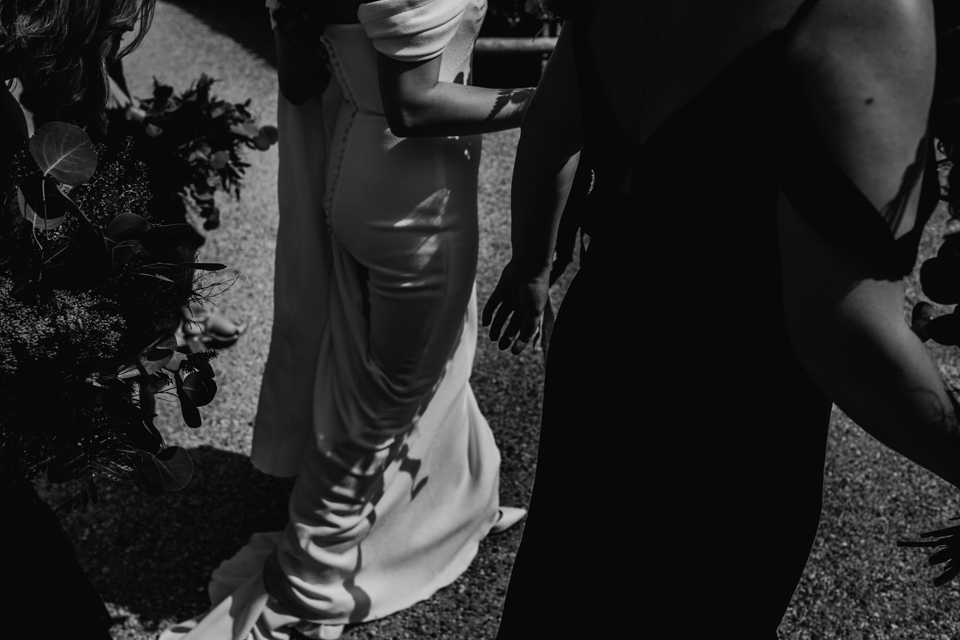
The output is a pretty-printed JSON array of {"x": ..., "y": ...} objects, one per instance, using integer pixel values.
[
  {"x": 878, "y": 28},
  {"x": 866, "y": 70},
  {"x": 852, "y": 48}
]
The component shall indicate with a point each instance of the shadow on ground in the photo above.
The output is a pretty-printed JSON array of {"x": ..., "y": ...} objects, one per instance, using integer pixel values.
[
  {"x": 245, "y": 21},
  {"x": 152, "y": 557}
]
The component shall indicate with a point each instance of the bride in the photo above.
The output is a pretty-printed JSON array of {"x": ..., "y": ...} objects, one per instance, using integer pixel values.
[{"x": 365, "y": 396}]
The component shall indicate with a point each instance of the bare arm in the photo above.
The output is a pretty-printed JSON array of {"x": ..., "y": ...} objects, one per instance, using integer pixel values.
[
  {"x": 551, "y": 138},
  {"x": 550, "y": 141},
  {"x": 418, "y": 104},
  {"x": 869, "y": 91}
]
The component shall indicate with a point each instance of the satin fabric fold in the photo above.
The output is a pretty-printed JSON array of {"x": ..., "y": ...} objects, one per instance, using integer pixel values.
[
  {"x": 411, "y": 30},
  {"x": 366, "y": 396}
]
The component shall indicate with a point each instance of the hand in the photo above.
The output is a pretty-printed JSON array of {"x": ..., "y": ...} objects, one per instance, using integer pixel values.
[{"x": 521, "y": 300}]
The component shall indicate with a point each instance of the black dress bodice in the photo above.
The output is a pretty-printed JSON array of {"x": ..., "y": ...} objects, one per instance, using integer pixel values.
[{"x": 682, "y": 443}]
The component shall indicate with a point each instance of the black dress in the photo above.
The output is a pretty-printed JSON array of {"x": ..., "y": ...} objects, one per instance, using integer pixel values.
[{"x": 682, "y": 444}]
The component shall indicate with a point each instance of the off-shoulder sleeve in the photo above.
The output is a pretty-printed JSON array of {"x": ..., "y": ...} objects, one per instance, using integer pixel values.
[{"x": 411, "y": 30}]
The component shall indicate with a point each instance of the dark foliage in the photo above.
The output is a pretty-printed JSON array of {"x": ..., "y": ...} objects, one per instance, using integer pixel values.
[
  {"x": 90, "y": 289},
  {"x": 190, "y": 143}
]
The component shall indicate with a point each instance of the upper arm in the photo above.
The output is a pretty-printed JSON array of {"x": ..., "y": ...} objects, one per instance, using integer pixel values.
[
  {"x": 553, "y": 122},
  {"x": 405, "y": 88},
  {"x": 409, "y": 38},
  {"x": 866, "y": 71},
  {"x": 868, "y": 84}
]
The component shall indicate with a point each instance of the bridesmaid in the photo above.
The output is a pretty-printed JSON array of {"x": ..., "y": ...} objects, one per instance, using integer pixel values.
[
  {"x": 764, "y": 170},
  {"x": 62, "y": 47}
]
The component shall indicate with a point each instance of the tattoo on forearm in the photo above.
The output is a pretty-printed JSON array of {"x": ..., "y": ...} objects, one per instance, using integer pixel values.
[
  {"x": 894, "y": 211},
  {"x": 509, "y": 96}
]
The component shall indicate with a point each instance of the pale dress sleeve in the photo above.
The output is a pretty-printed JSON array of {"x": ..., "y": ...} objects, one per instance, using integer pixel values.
[{"x": 411, "y": 30}]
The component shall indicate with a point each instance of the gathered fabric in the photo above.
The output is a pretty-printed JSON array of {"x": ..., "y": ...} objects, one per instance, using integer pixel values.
[{"x": 366, "y": 396}]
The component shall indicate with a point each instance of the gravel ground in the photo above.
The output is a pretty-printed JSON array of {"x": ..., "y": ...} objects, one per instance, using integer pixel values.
[{"x": 151, "y": 558}]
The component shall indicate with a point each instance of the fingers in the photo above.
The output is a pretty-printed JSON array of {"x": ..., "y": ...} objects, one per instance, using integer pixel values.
[
  {"x": 506, "y": 338},
  {"x": 504, "y": 312},
  {"x": 491, "y": 305},
  {"x": 528, "y": 333}
]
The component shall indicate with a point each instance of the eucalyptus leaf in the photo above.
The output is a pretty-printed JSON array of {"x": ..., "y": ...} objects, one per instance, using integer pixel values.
[
  {"x": 159, "y": 351},
  {"x": 30, "y": 212},
  {"x": 201, "y": 363},
  {"x": 175, "y": 361},
  {"x": 199, "y": 388},
  {"x": 176, "y": 468},
  {"x": 129, "y": 369},
  {"x": 43, "y": 203},
  {"x": 269, "y": 132},
  {"x": 151, "y": 359},
  {"x": 126, "y": 226},
  {"x": 65, "y": 152},
  {"x": 191, "y": 415}
]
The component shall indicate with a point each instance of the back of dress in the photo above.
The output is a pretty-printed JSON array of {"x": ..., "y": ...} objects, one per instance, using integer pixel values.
[
  {"x": 692, "y": 410},
  {"x": 366, "y": 394}
]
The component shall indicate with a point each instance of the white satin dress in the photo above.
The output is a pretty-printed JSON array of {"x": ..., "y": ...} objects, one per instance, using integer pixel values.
[{"x": 366, "y": 395}]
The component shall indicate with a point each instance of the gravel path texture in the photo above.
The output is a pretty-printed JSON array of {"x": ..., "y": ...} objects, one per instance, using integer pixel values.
[{"x": 151, "y": 558}]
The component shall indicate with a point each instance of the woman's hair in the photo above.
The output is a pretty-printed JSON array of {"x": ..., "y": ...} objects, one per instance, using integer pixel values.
[
  {"x": 945, "y": 114},
  {"x": 60, "y": 47}
]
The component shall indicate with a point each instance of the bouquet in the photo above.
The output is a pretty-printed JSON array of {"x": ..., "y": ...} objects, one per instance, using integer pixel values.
[
  {"x": 190, "y": 143},
  {"x": 92, "y": 285}
]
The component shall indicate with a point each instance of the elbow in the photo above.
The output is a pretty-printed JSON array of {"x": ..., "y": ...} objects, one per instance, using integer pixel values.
[
  {"x": 407, "y": 121},
  {"x": 401, "y": 125},
  {"x": 830, "y": 348}
]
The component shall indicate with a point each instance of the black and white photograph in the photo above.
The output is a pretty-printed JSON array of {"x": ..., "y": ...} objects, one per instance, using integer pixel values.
[{"x": 480, "y": 319}]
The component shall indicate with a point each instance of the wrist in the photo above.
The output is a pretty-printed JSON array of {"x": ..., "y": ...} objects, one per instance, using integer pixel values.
[{"x": 532, "y": 269}]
